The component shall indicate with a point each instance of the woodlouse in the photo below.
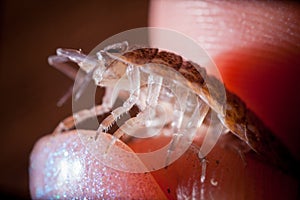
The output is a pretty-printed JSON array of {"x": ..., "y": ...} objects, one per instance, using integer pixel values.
[{"x": 117, "y": 60}]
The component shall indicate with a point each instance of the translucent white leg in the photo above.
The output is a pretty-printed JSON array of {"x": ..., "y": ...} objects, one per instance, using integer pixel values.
[
  {"x": 163, "y": 115},
  {"x": 153, "y": 90},
  {"x": 179, "y": 107},
  {"x": 82, "y": 115},
  {"x": 212, "y": 135},
  {"x": 130, "y": 126},
  {"x": 122, "y": 84},
  {"x": 147, "y": 115},
  {"x": 196, "y": 120},
  {"x": 203, "y": 173},
  {"x": 133, "y": 75},
  {"x": 154, "y": 87},
  {"x": 138, "y": 127},
  {"x": 179, "y": 110},
  {"x": 152, "y": 116}
]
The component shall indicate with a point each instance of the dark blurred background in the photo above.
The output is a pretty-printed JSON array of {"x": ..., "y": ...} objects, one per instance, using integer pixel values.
[{"x": 30, "y": 88}]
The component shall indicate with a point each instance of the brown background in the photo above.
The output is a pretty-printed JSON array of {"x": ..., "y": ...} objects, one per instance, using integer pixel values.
[{"x": 30, "y": 88}]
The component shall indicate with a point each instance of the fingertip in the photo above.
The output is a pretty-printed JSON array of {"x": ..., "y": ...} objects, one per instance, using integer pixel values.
[
  {"x": 255, "y": 45},
  {"x": 227, "y": 174},
  {"x": 62, "y": 168},
  {"x": 223, "y": 26}
]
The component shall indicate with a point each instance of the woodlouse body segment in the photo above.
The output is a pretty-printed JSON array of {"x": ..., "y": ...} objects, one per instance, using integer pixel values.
[
  {"x": 235, "y": 109},
  {"x": 189, "y": 71},
  {"x": 149, "y": 74},
  {"x": 141, "y": 56},
  {"x": 169, "y": 59}
]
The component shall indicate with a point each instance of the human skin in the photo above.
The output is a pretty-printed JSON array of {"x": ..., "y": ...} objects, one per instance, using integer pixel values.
[{"x": 256, "y": 48}]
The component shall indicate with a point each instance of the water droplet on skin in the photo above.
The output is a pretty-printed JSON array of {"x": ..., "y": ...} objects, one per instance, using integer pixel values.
[{"x": 213, "y": 182}]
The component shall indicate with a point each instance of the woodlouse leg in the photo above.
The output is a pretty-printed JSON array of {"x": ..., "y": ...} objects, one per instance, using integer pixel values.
[
  {"x": 154, "y": 88},
  {"x": 200, "y": 111},
  {"x": 138, "y": 127},
  {"x": 146, "y": 117},
  {"x": 212, "y": 135},
  {"x": 130, "y": 126},
  {"x": 179, "y": 112},
  {"x": 203, "y": 172},
  {"x": 133, "y": 75},
  {"x": 82, "y": 115},
  {"x": 153, "y": 91},
  {"x": 123, "y": 84}
]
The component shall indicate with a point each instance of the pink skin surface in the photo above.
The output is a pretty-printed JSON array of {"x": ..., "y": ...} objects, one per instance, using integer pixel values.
[{"x": 256, "y": 48}]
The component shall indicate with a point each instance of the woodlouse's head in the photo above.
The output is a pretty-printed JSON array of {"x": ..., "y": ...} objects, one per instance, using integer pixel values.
[{"x": 110, "y": 66}]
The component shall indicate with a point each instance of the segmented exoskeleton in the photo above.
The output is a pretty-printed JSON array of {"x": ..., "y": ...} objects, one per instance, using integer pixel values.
[{"x": 154, "y": 68}]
